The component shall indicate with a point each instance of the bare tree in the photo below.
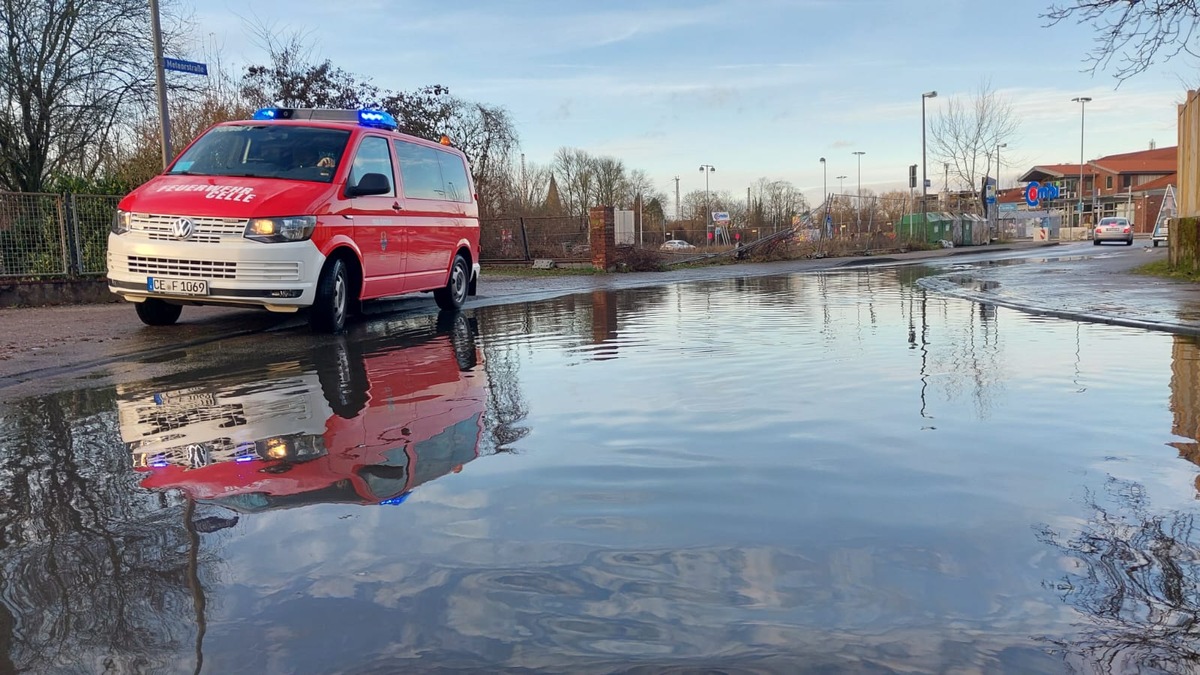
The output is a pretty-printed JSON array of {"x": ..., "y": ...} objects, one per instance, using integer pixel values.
[
  {"x": 1133, "y": 32},
  {"x": 894, "y": 205},
  {"x": 968, "y": 130},
  {"x": 71, "y": 72},
  {"x": 774, "y": 202},
  {"x": 574, "y": 171},
  {"x": 530, "y": 183},
  {"x": 611, "y": 187},
  {"x": 488, "y": 138},
  {"x": 639, "y": 186}
]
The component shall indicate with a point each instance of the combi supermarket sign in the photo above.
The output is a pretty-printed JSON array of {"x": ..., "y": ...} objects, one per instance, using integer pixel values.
[{"x": 1036, "y": 193}]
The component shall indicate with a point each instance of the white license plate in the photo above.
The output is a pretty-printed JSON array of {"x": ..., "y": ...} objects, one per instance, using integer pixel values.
[
  {"x": 191, "y": 400},
  {"x": 177, "y": 286}
]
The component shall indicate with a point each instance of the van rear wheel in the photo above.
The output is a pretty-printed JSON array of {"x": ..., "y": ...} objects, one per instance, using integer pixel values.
[
  {"x": 332, "y": 303},
  {"x": 155, "y": 312},
  {"x": 454, "y": 293}
]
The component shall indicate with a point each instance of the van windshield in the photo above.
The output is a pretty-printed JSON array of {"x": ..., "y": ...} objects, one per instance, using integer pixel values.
[{"x": 267, "y": 151}]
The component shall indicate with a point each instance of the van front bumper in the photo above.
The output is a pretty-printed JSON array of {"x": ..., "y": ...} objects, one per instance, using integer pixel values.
[{"x": 280, "y": 277}]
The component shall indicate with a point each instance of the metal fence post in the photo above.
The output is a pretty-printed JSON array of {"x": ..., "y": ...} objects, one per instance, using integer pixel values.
[
  {"x": 525, "y": 240},
  {"x": 63, "y": 237},
  {"x": 70, "y": 224}
]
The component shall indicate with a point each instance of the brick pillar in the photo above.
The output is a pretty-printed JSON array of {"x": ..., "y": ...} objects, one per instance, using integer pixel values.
[{"x": 602, "y": 237}]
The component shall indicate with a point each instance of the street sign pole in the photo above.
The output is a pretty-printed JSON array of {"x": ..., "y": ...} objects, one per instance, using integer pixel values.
[{"x": 161, "y": 81}]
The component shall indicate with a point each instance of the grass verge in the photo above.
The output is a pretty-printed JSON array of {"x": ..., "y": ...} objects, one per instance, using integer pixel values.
[{"x": 1162, "y": 269}]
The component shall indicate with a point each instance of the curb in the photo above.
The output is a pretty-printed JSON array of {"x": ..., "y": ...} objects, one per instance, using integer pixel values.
[{"x": 1065, "y": 314}]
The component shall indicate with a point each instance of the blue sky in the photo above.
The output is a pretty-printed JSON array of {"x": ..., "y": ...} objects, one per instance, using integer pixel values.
[{"x": 753, "y": 87}]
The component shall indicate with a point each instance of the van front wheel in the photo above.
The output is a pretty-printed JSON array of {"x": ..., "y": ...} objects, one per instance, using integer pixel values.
[
  {"x": 454, "y": 293},
  {"x": 155, "y": 312},
  {"x": 332, "y": 304}
]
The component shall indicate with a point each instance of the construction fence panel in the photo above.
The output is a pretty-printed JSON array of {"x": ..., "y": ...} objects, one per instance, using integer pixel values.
[
  {"x": 33, "y": 236},
  {"x": 854, "y": 217},
  {"x": 91, "y": 219}
]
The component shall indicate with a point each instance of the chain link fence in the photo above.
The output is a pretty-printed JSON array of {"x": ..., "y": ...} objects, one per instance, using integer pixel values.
[
  {"x": 91, "y": 218},
  {"x": 53, "y": 235},
  {"x": 526, "y": 238},
  {"x": 33, "y": 241}
]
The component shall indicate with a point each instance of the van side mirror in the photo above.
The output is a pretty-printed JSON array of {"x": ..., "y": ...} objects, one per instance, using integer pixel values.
[{"x": 370, "y": 184}]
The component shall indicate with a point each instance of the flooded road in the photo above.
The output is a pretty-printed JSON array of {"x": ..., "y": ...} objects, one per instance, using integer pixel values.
[{"x": 834, "y": 471}]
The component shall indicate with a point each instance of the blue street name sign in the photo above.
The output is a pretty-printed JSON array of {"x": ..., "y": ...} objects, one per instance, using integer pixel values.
[{"x": 185, "y": 66}]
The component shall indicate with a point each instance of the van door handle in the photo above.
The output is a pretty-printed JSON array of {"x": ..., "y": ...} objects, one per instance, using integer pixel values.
[{"x": 396, "y": 206}]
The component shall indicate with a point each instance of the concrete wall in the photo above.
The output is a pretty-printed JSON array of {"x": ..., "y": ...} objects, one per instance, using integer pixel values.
[{"x": 15, "y": 293}]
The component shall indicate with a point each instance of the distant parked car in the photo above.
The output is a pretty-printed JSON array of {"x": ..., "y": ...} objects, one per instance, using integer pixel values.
[
  {"x": 676, "y": 245},
  {"x": 1160, "y": 231},
  {"x": 1113, "y": 229}
]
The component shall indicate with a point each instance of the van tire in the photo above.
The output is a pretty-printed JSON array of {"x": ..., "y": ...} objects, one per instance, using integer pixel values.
[
  {"x": 454, "y": 293},
  {"x": 155, "y": 312},
  {"x": 332, "y": 303}
]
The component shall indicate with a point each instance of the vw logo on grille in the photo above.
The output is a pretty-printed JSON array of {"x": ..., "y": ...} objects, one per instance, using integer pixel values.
[{"x": 183, "y": 228}]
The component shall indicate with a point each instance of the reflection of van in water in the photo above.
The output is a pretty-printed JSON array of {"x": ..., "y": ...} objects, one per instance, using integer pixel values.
[
  {"x": 363, "y": 424},
  {"x": 299, "y": 208}
]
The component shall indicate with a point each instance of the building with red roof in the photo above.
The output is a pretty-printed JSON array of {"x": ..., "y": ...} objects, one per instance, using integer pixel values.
[{"x": 1130, "y": 185}]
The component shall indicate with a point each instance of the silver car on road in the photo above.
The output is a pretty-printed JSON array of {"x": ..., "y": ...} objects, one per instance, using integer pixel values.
[{"x": 1113, "y": 229}]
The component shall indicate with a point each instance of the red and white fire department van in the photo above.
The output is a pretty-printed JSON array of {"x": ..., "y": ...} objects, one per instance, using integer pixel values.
[{"x": 299, "y": 208}]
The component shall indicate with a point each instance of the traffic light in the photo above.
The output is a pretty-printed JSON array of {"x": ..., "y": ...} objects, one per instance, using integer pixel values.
[{"x": 912, "y": 176}]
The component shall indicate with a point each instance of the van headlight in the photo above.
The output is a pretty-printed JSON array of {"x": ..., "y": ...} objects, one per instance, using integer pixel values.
[
  {"x": 291, "y": 228},
  {"x": 120, "y": 222}
]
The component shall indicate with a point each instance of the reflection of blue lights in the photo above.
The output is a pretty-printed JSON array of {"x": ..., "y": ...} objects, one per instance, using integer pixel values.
[
  {"x": 248, "y": 458},
  {"x": 395, "y": 500},
  {"x": 159, "y": 465}
]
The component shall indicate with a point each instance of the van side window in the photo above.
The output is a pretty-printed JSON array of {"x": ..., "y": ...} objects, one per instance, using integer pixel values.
[
  {"x": 421, "y": 171},
  {"x": 373, "y": 157},
  {"x": 458, "y": 188}
]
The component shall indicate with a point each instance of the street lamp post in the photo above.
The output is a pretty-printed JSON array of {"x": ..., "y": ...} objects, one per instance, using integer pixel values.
[
  {"x": 707, "y": 169},
  {"x": 998, "y": 146},
  {"x": 824, "y": 193},
  {"x": 924, "y": 206},
  {"x": 1082, "y": 101},
  {"x": 994, "y": 214},
  {"x": 858, "y": 197},
  {"x": 841, "y": 188}
]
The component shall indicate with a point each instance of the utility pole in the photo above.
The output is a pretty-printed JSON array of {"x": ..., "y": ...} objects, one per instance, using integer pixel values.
[
  {"x": 676, "y": 197},
  {"x": 858, "y": 197},
  {"x": 524, "y": 185},
  {"x": 160, "y": 79},
  {"x": 708, "y": 169}
]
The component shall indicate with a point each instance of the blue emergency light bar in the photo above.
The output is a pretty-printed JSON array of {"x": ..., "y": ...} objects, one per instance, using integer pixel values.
[{"x": 367, "y": 118}]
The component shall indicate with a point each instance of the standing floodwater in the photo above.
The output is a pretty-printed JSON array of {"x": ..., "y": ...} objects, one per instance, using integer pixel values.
[{"x": 839, "y": 471}]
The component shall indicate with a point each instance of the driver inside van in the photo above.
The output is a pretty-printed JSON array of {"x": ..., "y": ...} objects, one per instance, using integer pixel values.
[{"x": 308, "y": 157}]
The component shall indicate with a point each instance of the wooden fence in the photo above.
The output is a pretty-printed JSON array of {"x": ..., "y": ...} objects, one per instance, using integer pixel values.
[{"x": 1189, "y": 156}]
